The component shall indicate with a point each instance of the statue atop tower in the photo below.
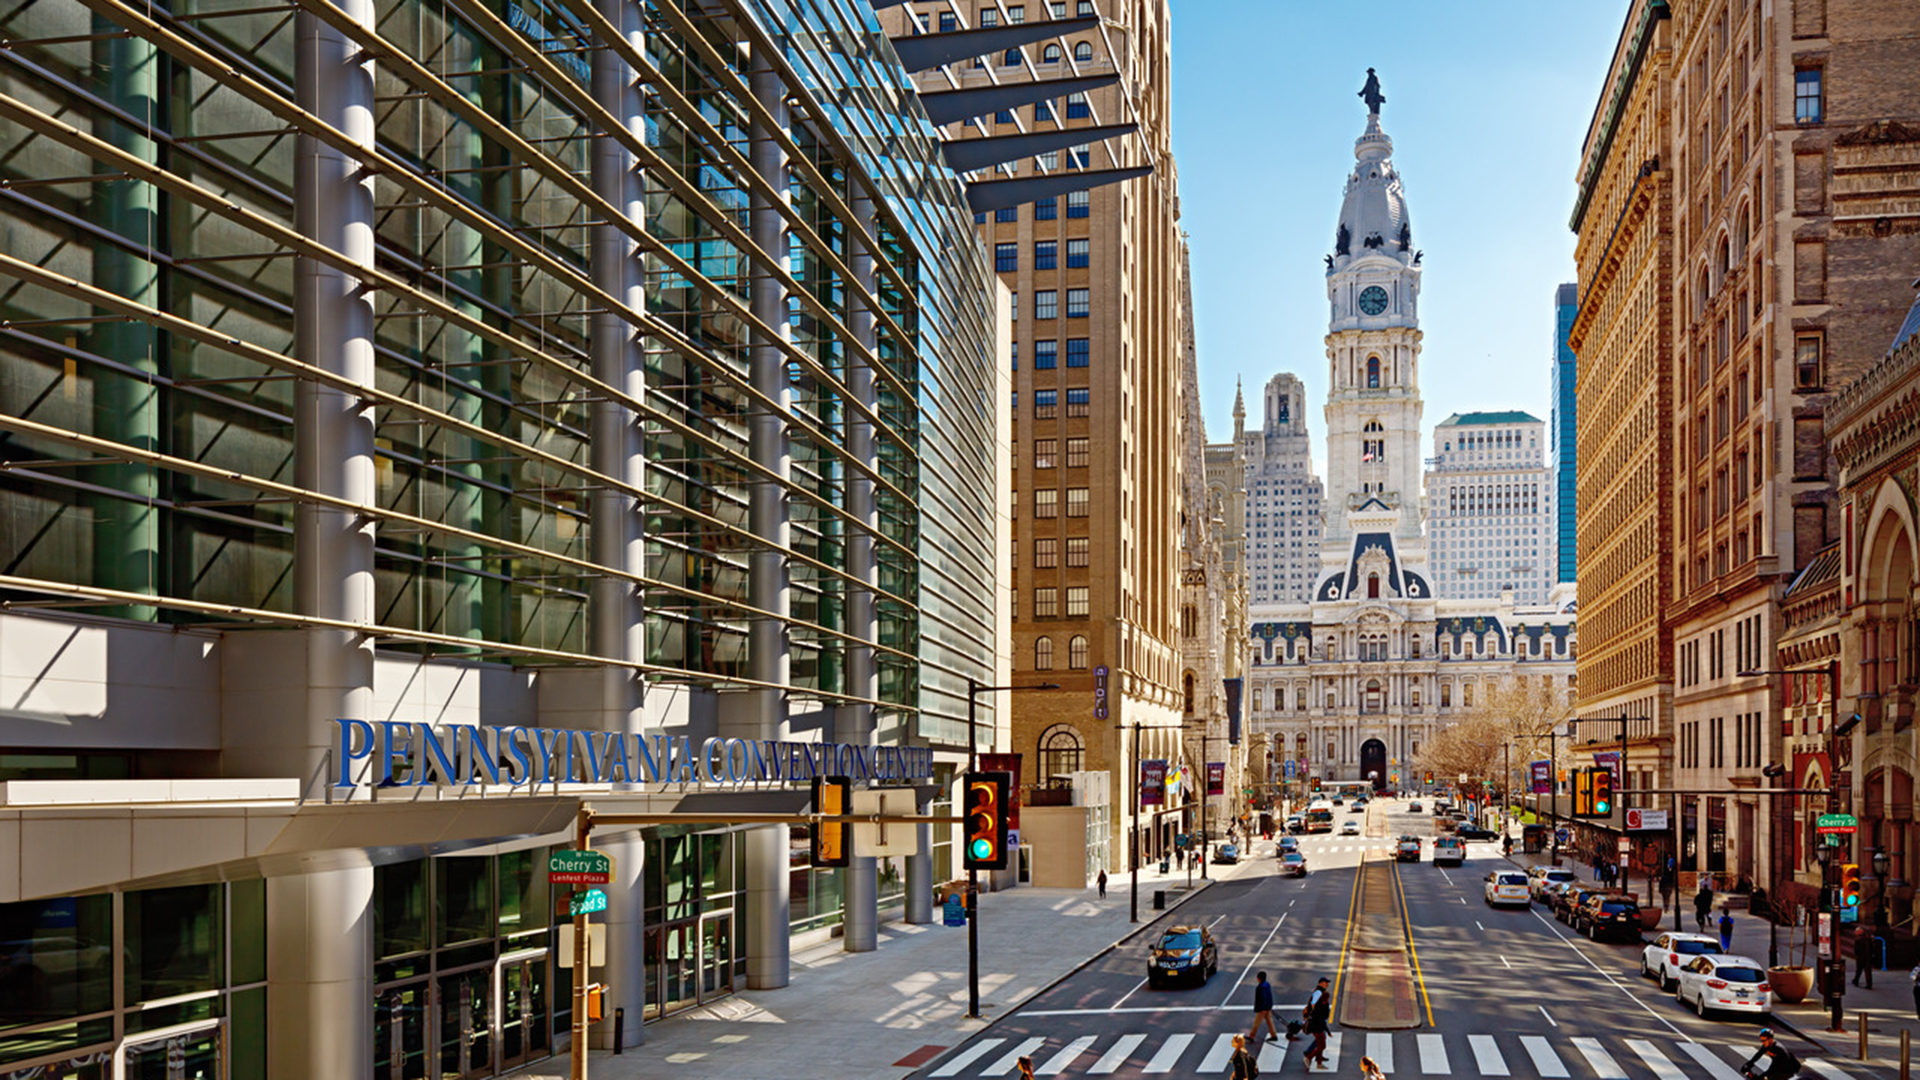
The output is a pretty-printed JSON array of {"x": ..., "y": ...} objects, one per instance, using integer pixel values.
[{"x": 1371, "y": 94}]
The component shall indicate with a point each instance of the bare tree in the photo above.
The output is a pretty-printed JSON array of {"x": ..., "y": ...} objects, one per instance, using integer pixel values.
[{"x": 1516, "y": 712}]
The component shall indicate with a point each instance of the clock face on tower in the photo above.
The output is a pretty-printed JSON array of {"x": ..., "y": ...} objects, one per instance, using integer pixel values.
[{"x": 1373, "y": 299}]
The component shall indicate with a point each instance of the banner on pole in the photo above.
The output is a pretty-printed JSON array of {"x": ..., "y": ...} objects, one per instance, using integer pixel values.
[
  {"x": 1542, "y": 772},
  {"x": 1153, "y": 782},
  {"x": 1216, "y": 777}
]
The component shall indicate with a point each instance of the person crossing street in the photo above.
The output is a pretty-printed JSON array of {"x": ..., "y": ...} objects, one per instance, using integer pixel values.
[
  {"x": 1263, "y": 1008},
  {"x": 1318, "y": 1011}
]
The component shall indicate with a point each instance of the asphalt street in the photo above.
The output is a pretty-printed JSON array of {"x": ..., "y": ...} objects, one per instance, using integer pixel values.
[{"x": 1501, "y": 991}]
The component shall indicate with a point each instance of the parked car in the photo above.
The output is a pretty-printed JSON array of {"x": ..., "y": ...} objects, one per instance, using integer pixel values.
[
  {"x": 1566, "y": 900},
  {"x": 1508, "y": 887},
  {"x": 1293, "y": 864},
  {"x": 1407, "y": 849},
  {"x": 1540, "y": 876},
  {"x": 1449, "y": 850},
  {"x": 1665, "y": 955},
  {"x": 1183, "y": 952},
  {"x": 1608, "y": 913},
  {"x": 1474, "y": 832},
  {"x": 1226, "y": 853},
  {"x": 1727, "y": 983}
]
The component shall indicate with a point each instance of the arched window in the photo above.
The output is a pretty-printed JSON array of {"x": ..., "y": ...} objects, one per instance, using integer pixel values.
[
  {"x": 1043, "y": 654},
  {"x": 1373, "y": 586},
  {"x": 1373, "y": 696},
  {"x": 1258, "y": 697},
  {"x": 1373, "y": 373},
  {"x": 1446, "y": 695},
  {"x": 1077, "y": 653},
  {"x": 1062, "y": 751},
  {"x": 1083, "y": 51},
  {"x": 1466, "y": 694},
  {"x": 1051, "y": 54},
  {"x": 1187, "y": 690},
  {"x": 1012, "y": 59}
]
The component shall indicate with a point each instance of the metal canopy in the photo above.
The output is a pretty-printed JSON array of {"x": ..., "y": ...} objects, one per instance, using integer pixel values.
[
  {"x": 966, "y": 155},
  {"x": 950, "y": 106},
  {"x": 923, "y": 52},
  {"x": 986, "y": 195}
]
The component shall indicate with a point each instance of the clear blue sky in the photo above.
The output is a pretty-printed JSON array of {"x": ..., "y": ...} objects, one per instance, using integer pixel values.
[{"x": 1487, "y": 107}]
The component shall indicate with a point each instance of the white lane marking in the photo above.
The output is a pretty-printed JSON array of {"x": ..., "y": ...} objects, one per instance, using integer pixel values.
[
  {"x": 1825, "y": 1068},
  {"x": 1012, "y": 1057},
  {"x": 1280, "y": 1009},
  {"x": 1505, "y": 961},
  {"x": 1549, "y": 1016},
  {"x": 1128, "y": 994},
  {"x": 1169, "y": 1054},
  {"x": 1380, "y": 1049},
  {"x": 1254, "y": 959},
  {"x": 1058, "y": 1063},
  {"x": 1333, "y": 1052},
  {"x": 1293, "y": 901},
  {"x": 1433, "y": 1055},
  {"x": 1272, "y": 1056},
  {"x": 1545, "y": 1061},
  {"x": 966, "y": 1057},
  {"x": 1476, "y": 922},
  {"x": 1657, "y": 1061},
  {"x": 1464, "y": 900},
  {"x": 1216, "y": 920},
  {"x": 1486, "y": 1054},
  {"x": 1217, "y": 1058},
  {"x": 1709, "y": 1061},
  {"x": 1602, "y": 1062},
  {"x": 1116, "y": 1057},
  {"x": 1607, "y": 976}
]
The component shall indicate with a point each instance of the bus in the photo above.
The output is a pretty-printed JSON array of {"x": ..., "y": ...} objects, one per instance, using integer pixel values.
[{"x": 1320, "y": 816}]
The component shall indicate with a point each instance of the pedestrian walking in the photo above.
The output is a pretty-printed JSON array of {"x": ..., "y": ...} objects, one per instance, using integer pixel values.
[
  {"x": 1318, "y": 1011},
  {"x": 1726, "y": 930},
  {"x": 1863, "y": 949},
  {"x": 1101, "y": 881},
  {"x": 1263, "y": 1008},
  {"x": 1244, "y": 1067},
  {"x": 1370, "y": 1070},
  {"x": 1026, "y": 1068},
  {"x": 1915, "y": 976},
  {"x": 1703, "y": 904}
]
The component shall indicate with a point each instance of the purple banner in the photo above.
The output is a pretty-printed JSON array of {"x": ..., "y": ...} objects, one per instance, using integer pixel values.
[
  {"x": 1542, "y": 772},
  {"x": 1216, "y": 777},
  {"x": 1610, "y": 761},
  {"x": 1153, "y": 783}
]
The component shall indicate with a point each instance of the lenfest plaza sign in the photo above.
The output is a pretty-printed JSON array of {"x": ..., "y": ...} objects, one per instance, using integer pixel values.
[{"x": 456, "y": 755}]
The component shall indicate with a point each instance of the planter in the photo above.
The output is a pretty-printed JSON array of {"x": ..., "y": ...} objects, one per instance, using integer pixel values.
[
  {"x": 1791, "y": 983},
  {"x": 1650, "y": 917}
]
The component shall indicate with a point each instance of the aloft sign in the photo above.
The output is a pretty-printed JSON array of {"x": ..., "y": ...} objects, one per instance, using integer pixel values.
[{"x": 572, "y": 867}]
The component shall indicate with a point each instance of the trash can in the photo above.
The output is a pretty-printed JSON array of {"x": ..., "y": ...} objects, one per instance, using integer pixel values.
[
  {"x": 1166, "y": 865},
  {"x": 1159, "y": 899}
]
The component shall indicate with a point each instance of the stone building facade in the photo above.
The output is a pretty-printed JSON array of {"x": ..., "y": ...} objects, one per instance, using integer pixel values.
[
  {"x": 1285, "y": 500},
  {"x": 1490, "y": 510}
]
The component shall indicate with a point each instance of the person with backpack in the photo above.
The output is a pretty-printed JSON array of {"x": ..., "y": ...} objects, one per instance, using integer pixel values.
[
  {"x": 1318, "y": 1012},
  {"x": 1244, "y": 1066},
  {"x": 1772, "y": 1061}
]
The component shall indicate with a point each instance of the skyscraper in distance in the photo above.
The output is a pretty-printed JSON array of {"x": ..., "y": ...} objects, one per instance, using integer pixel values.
[{"x": 1566, "y": 377}]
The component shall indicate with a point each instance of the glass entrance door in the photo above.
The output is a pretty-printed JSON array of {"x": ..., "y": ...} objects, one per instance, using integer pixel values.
[
  {"x": 673, "y": 972},
  {"x": 400, "y": 1032},
  {"x": 525, "y": 1021},
  {"x": 465, "y": 1001},
  {"x": 191, "y": 1055},
  {"x": 716, "y": 954}
]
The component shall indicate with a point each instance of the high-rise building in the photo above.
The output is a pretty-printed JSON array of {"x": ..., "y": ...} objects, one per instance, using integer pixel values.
[
  {"x": 1352, "y": 684},
  {"x": 1285, "y": 503},
  {"x": 1566, "y": 375},
  {"x": 1490, "y": 514},
  {"x": 420, "y": 420},
  {"x": 1095, "y": 273}
]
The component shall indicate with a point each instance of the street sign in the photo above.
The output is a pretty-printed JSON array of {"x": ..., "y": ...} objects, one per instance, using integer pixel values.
[
  {"x": 596, "y": 946},
  {"x": 1826, "y": 934},
  {"x": 1835, "y": 823},
  {"x": 1645, "y": 819},
  {"x": 571, "y": 867},
  {"x": 586, "y": 902},
  {"x": 1626, "y": 845},
  {"x": 1563, "y": 836},
  {"x": 884, "y": 841}
]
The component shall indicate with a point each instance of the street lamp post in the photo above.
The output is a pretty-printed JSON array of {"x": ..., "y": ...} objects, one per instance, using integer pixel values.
[
  {"x": 1133, "y": 826},
  {"x": 1206, "y": 841},
  {"x": 974, "y": 690}
]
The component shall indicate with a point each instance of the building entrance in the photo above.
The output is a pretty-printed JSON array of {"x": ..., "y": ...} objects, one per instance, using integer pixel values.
[
  {"x": 183, "y": 1055},
  {"x": 524, "y": 1031},
  {"x": 1373, "y": 763}
]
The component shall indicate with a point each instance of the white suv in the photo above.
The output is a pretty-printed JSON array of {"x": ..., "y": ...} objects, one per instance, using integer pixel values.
[
  {"x": 1540, "y": 877},
  {"x": 1508, "y": 887},
  {"x": 1664, "y": 957}
]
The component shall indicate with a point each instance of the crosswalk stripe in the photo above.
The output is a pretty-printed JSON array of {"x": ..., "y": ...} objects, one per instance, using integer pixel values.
[
  {"x": 1116, "y": 1057},
  {"x": 1603, "y": 1064},
  {"x": 1380, "y": 1049},
  {"x": 967, "y": 1057},
  {"x": 1486, "y": 1055},
  {"x": 1217, "y": 1058},
  {"x": 1710, "y": 1061},
  {"x": 1657, "y": 1061},
  {"x": 1058, "y": 1063},
  {"x": 1433, "y": 1055},
  {"x": 1272, "y": 1056},
  {"x": 1825, "y": 1068},
  {"x": 1012, "y": 1057},
  {"x": 1170, "y": 1052},
  {"x": 1333, "y": 1052},
  {"x": 1545, "y": 1061}
]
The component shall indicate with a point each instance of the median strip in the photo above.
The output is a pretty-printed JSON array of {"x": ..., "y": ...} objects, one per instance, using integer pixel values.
[{"x": 1377, "y": 975}]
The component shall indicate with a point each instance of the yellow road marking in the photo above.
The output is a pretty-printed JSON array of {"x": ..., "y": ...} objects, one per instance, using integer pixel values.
[
  {"x": 1353, "y": 907},
  {"x": 1407, "y": 922}
]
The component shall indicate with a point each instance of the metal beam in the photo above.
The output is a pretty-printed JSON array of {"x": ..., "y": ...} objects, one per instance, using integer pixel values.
[
  {"x": 966, "y": 155},
  {"x": 924, "y": 52},
  {"x": 950, "y": 106},
  {"x": 986, "y": 195}
]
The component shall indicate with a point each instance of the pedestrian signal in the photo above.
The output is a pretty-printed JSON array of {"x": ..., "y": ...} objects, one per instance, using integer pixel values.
[
  {"x": 832, "y": 840},
  {"x": 1603, "y": 793},
  {"x": 1850, "y": 885},
  {"x": 1583, "y": 793},
  {"x": 986, "y": 820}
]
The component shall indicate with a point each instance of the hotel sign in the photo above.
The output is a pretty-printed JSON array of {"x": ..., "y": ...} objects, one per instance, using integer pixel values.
[{"x": 401, "y": 754}]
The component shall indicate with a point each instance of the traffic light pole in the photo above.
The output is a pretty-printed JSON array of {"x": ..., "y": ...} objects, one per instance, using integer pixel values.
[{"x": 974, "y": 690}]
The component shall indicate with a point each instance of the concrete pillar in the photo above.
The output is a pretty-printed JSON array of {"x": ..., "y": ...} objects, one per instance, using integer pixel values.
[
  {"x": 769, "y": 443},
  {"x": 862, "y": 893},
  {"x": 920, "y": 875},
  {"x": 320, "y": 973},
  {"x": 618, "y": 623}
]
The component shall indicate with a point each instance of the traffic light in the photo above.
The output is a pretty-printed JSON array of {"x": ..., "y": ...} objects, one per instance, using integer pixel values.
[
  {"x": 986, "y": 814},
  {"x": 1314, "y": 784},
  {"x": 1850, "y": 885},
  {"x": 1603, "y": 793},
  {"x": 832, "y": 840},
  {"x": 1583, "y": 793},
  {"x": 1429, "y": 777}
]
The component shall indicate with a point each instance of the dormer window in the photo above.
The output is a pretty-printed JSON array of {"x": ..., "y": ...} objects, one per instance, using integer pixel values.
[{"x": 1373, "y": 373}]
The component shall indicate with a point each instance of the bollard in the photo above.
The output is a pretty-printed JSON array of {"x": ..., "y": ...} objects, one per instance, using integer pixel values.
[
  {"x": 1906, "y": 1051},
  {"x": 619, "y": 1029},
  {"x": 1863, "y": 1036}
]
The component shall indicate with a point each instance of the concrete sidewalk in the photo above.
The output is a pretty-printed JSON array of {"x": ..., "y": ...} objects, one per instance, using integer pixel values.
[{"x": 861, "y": 1015}]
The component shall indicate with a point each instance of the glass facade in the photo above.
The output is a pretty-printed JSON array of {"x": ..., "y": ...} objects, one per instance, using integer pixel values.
[{"x": 1566, "y": 375}]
